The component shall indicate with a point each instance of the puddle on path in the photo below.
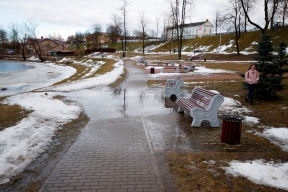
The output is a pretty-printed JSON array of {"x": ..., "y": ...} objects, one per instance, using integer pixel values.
[{"x": 105, "y": 103}]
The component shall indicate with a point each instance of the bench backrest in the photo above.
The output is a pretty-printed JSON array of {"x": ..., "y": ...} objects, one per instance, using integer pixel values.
[
  {"x": 176, "y": 80},
  {"x": 202, "y": 97}
]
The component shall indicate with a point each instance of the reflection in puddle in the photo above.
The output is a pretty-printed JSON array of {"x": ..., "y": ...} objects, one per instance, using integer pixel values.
[
  {"x": 171, "y": 103},
  {"x": 104, "y": 103}
]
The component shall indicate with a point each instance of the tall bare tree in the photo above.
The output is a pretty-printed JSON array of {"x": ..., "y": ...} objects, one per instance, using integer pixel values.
[
  {"x": 232, "y": 19},
  {"x": 115, "y": 29},
  {"x": 217, "y": 20},
  {"x": 143, "y": 25},
  {"x": 123, "y": 9},
  {"x": 178, "y": 12},
  {"x": 34, "y": 42},
  {"x": 283, "y": 11},
  {"x": 3, "y": 36},
  {"x": 274, "y": 5},
  {"x": 270, "y": 8},
  {"x": 21, "y": 33},
  {"x": 249, "y": 5}
]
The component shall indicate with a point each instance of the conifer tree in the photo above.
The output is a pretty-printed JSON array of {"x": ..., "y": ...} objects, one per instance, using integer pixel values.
[{"x": 271, "y": 67}]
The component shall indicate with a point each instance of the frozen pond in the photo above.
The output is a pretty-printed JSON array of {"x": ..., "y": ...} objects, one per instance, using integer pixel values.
[{"x": 8, "y": 66}]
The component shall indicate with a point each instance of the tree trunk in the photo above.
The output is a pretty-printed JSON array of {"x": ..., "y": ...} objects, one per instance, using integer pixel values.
[{"x": 284, "y": 14}]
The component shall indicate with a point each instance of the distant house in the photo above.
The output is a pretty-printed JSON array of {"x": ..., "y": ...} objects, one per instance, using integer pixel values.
[
  {"x": 192, "y": 30},
  {"x": 47, "y": 46}
]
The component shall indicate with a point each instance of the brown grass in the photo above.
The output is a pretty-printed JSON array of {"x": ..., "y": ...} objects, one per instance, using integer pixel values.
[
  {"x": 193, "y": 172},
  {"x": 82, "y": 70},
  {"x": 10, "y": 115},
  {"x": 190, "y": 170}
]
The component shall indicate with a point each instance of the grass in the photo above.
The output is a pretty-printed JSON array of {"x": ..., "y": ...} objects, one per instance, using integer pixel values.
[
  {"x": 211, "y": 42},
  {"x": 11, "y": 114},
  {"x": 190, "y": 170},
  {"x": 201, "y": 171},
  {"x": 82, "y": 70}
]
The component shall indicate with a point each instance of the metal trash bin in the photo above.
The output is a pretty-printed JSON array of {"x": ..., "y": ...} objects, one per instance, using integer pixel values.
[
  {"x": 231, "y": 129},
  {"x": 152, "y": 70}
]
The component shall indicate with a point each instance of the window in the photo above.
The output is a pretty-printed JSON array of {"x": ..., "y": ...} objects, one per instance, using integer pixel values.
[
  {"x": 204, "y": 30},
  {"x": 196, "y": 30},
  {"x": 210, "y": 31}
]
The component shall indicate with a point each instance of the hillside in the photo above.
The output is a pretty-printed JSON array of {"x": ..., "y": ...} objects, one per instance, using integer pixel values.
[{"x": 247, "y": 43}]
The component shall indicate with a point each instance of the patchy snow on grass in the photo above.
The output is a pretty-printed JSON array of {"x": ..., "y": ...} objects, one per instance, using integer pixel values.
[
  {"x": 261, "y": 172},
  {"x": 276, "y": 135},
  {"x": 106, "y": 79},
  {"x": 22, "y": 143}
]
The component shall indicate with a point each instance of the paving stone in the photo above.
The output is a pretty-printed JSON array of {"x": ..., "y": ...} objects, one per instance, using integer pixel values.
[{"x": 108, "y": 155}]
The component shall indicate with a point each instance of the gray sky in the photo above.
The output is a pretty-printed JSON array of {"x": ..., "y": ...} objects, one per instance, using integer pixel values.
[{"x": 65, "y": 17}]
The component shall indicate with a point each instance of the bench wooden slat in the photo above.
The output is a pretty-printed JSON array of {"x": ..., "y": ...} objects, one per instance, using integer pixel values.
[{"x": 201, "y": 105}]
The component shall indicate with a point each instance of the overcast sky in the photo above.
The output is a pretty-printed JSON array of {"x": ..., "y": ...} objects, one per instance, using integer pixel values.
[{"x": 65, "y": 17}]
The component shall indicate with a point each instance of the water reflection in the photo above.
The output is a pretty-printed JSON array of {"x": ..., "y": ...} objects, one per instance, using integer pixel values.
[
  {"x": 171, "y": 104},
  {"x": 104, "y": 102},
  {"x": 123, "y": 107},
  {"x": 141, "y": 97}
]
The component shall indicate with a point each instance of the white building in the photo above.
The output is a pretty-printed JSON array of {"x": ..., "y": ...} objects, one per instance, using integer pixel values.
[{"x": 192, "y": 30}]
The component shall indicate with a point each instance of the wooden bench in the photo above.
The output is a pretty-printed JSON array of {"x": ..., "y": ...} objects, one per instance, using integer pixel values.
[
  {"x": 201, "y": 105},
  {"x": 172, "y": 86}
]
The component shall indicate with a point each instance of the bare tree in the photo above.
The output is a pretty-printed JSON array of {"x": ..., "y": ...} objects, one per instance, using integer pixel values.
[
  {"x": 178, "y": 11},
  {"x": 96, "y": 35},
  {"x": 115, "y": 29},
  {"x": 137, "y": 33},
  {"x": 78, "y": 39},
  {"x": 249, "y": 5},
  {"x": 13, "y": 33},
  {"x": 34, "y": 42},
  {"x": 20, "y": 33},
  {"x": 274, "y": 5},
  {"x": 143, "y": 25},
  {"x": 123, "y": 9},
  {"x": 56, "y": 36},
  {"x": 3, "y": 36},
  {"x": 217, "y": 20},
  {"x": 283, "y": 11},
  {"x": 89, "y": 39},
  {"x": 270, "y": 7},
  {"x": 153, "y": 33},
  {"x": 70, "y": 39},
  {"x": 232, "y": 17}
]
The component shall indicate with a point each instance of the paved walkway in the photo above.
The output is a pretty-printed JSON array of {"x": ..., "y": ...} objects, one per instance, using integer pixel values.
[
  {"x": 128, "y": 154},
  {"x": 109, "y": 155}
]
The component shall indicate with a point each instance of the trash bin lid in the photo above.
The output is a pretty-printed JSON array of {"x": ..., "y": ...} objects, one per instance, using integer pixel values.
[{"x": 234, "y": 118}]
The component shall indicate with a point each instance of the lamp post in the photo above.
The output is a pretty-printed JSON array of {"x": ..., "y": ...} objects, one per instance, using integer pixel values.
[{"x": 219, "y": 44}]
